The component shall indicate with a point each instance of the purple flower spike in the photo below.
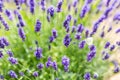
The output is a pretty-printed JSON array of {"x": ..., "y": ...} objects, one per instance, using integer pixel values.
[
  {"x": 54, "y": 33},
  {"x": 107, "y": 45},
  {"x": 38, "y": 53},
  {"x": 91, "y": 55},
  {"x": 67, "y": 40},
  {"x": 82, "y": 44},
  {"x": 51, "y": 11},
  {"x": 95, "y": 76},
  {"x": 80, "y": 28},
  {"x": 8, "y": 14},
  {"x": 59, "y": 5},
  {"x": 108, "y": 2},
  {"x": 37, "y": 26},
  {"x": 51, "y": 39},
  {"x": 21, "y": 33},
  {"x": 35, "y": 74},
  {"x": 49, "y": 62},
  {"x": 40, "y": 66},
  {"x": 1, "y": 6},
  {"x": 92, "y": 48},
  {"x": 9, "y": 52},
  {"x": 1, "y": 54},
  {"x": 110, "y": 28},
  {"x": 13, "y": 60},
  {"x": 75, "y": 3},
  {"x": 117, "y": 69},
  {"x": 65, "y": 63},
  {"x": 118, "y": 43},
  {"x": 116, "y": 17},
  {"x": 112, "y": 47},
  {"x": 5, "y": 41},
  {"x": 17, "y": 2},
  {"x": 84, "y": 10},
  {"x": 118, "y": 30},
  {"x": 54, "y": 65},
  {"x": 42, "y": 3},
  {"x": 102, "y": 34},
  {"x": 12, "y": 74},
  {"x": 106, "y": 56},
  {"x": 77, "y": 36},
  {"x": 32, "y": 6},
  {"x": 87, "y": 76}
]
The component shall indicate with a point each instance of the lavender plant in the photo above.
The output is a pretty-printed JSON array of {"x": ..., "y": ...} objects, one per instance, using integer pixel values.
[{"x": 55, "y": 40}]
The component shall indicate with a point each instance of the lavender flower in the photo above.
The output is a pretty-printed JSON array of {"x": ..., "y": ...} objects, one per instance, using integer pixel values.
[
  {"x": 37, "y": 26},
  {"x": 38, "y": 53},
  {"x": 106, "y": 56},
  {"x": 82, "y": 44},
  {"x": 91, "y": 55},
  {"x": 21, "y": 33},
  {"x": 54, "y": 33},
  {"x": 65, "y": 63},
  {"x": 69, "y": 7},
  {"x": 116, "y": 17},
  {"x": 112, "y": 47},
  {"x": 49, "y": 62},
  {"x": 117, "y": 68},
  {"x": 1, "y": 54},
  {"x": 84, "y": 10},
  {"x": 42, "y": 3},
  {"x": 8, "y": 14},
  {"x": 59, "y": 5},
  {"x": 51, "y": 39},
  {"x": 35, "y": 74},
  {"x": 107, "y": 45},
  {"x": 73, "y": 29},
  {"x": 4, "y": 40},
  {"x": 21, "y": 73},
  {"x": 89, "y": 1},
  {"x": 77, "y": 36},
  {"x": 110, "y": 28},
  {"x": 92, "y": 48},
  {"x": 32, "y": 6},
  {"x": 67, "y": 40},
  {"x": 12, "y": 74},
  {"x": 9, "y": 52},
  {"x": 16, "y": 2},
  {"x": 80, "y": 28},
  {"x": 54, "y": 65},
  {"x": 75, "y": 21},
  {"x": 40, "y": 66},
  {"x": 87, "y": 76},
  {"x": 1, "y": 6},
  {"x": 1, "y": 77},
  {"x": 87, "y": 33},
  {"x": 50, "y": 11},
  {"x": 102, "y": 34},
  {"x": 95, "y": 76},
  {"x": 108, "y": 2},
  {"x": 13, "y": 60},
  {"x": 118, "y": 43},
  {"x": 75, "y": 3},
  {"x": 118, "y": 30}
]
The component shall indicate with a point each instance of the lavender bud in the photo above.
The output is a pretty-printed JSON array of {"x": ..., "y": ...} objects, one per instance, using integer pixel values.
[
  {"x": 87, "y": 76},
  {"x": 1, "y": 6},
  {"x": 13, "y": 60},
  {"x": 35, "y": 74},
  {"x": 92, "y": 48},
  {"x": 54, "y": 33},
  {"x": 21, "y": 73},
  {"x": 48, "y": 18},
  {"x": 110, "y": 28},
  {"x": 8, "y": 14},
  {"x": 112, "y": 47},
  {"x": 32, "y": 6},
  {"x": 91, "y": 55},
  {"x": 107, "y": 45},
  {"x": 59, "y": 5},
  {"x": 67, "y": 40},
  {"x": 6, "y": 43},
  {"x": 37, "y": 26},
  {"x": 54, "y": 65},
  {"x": 102, "y": 34},
  {"x": 75, "y": 21},
  {"x": 82, "y": 44},
  {"x": 12, "y": 74},
  {"x": 80, "y": 28},
  {"x": 69, "y": 7},
  {"x": 9, "y": 52},
  {"x": 49, "y": 62},
  {"x": 65, "y": 63},
  {"x": 21, "y": 33},
  {"x": 51, "y": 39},
  {"x": 1, "y": 77},
  {"x": 16, "y": 2},
  {"x": 118, "y": 43},
  {"x": 40, "y": 66},
  {"x": 108, "y": 2},
  {"x": 117, "y": 69},
  {"x": 116, "y": 17},
  {"x": 106, "y": 56},
  {"x": 73, "y": 29},
  {"x": 75, "y": 3},
  {"x": 1, "y": 44},
  {"x": 1, "y": 54},
  {"x": 38, "y": 53},
  {"x": 95, "y": 76},
  {"x": 77, "y": 36},
  {"x": 50, "y": 11},
  {"x": 42, "y": 3},
  {"x": 118, "y": 30}
]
